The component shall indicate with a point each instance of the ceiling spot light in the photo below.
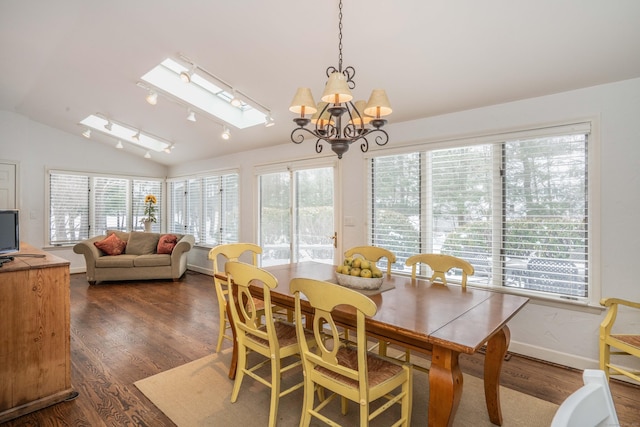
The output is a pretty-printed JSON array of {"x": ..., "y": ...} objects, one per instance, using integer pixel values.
[
  {"x": 235, "y": 101},
  {"x": 87, "y": 133},
  {"x": 225, "y": 133},
  {"x": 191, "y": 116},
  {"x": 152, "y": 97},
  {"x": 108, "y": 125},
  {"x": 169, "y": 149},
  {"x": 119, "y": 145},
  {"x": 136, "y": 137},
  {"x": 147, "y": 155},
  {"x": 269, "y": 121},
  {"x": 339, "y": 133},
  {"x": 187, "y": 75}
]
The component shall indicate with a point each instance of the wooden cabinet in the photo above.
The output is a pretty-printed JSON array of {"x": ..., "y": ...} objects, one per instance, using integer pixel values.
[{"x": 35, "y": 365}]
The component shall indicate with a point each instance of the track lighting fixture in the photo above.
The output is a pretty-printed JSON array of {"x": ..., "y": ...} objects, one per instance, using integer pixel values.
[
  {"x": 152, "y": 97},
  {"x": 186, "y": 75},
  {"x": 168, "y": 150},
  {"x": 268, "y": 122},
  {"x": 225, "y": 133},
  {"x": 235, "y": 101},
  {"x": 87, "y": 133},
  {"x": 191, "y": 116},
  {"x": 123, "y": 132},
  {"x": 147, "y": 155}
]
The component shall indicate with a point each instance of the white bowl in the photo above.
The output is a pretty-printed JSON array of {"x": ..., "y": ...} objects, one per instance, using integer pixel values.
[{"x": 357, "y": 282}]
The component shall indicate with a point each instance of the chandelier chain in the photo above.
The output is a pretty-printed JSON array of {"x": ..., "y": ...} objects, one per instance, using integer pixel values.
[{"x": 340, "y": 37}]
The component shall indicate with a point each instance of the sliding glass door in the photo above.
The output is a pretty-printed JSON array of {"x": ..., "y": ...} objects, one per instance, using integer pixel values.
[{"x": 297, "y": 212}]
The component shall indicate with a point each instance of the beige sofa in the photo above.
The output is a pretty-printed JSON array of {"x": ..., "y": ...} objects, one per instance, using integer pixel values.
[{"x": 138, "y": 261}]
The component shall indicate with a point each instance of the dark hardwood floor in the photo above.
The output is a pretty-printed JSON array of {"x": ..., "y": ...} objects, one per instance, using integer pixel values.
[{"x": 123, "y": 332}]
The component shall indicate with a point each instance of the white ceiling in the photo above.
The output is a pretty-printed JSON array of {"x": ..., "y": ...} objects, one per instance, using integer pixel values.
[{"x": 64, "y": 60}]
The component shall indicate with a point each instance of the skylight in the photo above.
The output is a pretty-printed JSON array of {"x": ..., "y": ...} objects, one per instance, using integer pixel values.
[
  {"x": 202, "y": 93},
  {"x": 125, "y": 133}
]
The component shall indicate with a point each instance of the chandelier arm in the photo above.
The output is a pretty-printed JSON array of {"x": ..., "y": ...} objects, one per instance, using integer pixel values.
[
  {"x": 319, "y": 146},
  {"x": 297, "y": 137},
  {"x": 364, "y": 146}
]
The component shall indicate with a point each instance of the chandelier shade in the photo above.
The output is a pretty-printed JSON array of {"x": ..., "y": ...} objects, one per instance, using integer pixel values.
[
  {"x": 337, "y": 120},
  {"x": 337, "y": 89},
  {"x": 303, "y": 102},
  {"x": 378, "y": 104}
]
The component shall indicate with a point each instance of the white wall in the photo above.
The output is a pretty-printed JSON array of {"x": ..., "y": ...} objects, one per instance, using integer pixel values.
[
  {"x": 37, "y": 148},
  {"x": 550, "y": 331}
]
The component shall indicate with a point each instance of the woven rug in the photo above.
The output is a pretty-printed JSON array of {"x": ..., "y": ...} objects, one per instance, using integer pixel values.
[{"x": 198, "y": 394}]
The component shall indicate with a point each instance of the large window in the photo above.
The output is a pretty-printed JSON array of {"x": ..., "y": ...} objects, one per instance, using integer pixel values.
[
  {"x": 86, "y": 205},
  {"x": 515, "y": 206},
  {"x": 206, "y": 207}
]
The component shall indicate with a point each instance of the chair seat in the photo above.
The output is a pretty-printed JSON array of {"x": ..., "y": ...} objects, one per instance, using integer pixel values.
[
  {"x": 378, "y": 369},
  {"x": 632, "y": 340},
  {"x": 285, "y": 333}
]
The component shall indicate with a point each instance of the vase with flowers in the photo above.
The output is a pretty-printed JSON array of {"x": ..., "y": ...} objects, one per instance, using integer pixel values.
[{"x": 149, "y": 212}]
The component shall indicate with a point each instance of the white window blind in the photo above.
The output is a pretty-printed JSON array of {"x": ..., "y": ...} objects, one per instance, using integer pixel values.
[
  {"x": 139, "y": 190},
  {"x": 207, "y": 207},
  {"x": 68, "y": 208},
  {"x": 86, "y": 205},
  {"x": 517, "y": 209}
]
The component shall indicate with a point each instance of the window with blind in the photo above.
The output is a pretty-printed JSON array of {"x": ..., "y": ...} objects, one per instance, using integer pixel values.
[
  {"x": 86, "y": 205},
  {"x": 516, "y": 207},
  {"x": 206, "y": 207}
]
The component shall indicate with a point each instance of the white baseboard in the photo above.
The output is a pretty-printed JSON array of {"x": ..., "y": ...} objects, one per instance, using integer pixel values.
[{"x": 565, "y": 359}]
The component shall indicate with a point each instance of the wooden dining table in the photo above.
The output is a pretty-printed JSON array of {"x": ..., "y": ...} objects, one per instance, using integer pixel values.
[{"x": 443, "y": 321}]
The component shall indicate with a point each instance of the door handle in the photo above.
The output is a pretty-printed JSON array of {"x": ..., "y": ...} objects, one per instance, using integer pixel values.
[{"x": 335, "y": 239}]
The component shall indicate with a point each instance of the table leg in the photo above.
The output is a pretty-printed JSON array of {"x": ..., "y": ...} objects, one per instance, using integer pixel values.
[
  {"x": 496, "y": 350},
  {"x": 234, "y": 357},
  {"x": 445, "y": 386}
]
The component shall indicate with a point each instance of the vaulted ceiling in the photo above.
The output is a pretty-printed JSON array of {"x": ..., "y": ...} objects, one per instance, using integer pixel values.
[{"x": 62, "y": 61}]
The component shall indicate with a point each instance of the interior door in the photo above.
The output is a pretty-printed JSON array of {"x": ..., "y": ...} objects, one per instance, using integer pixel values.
[
  {"x": 297, "y": 219},
  {"x": 8, "y": 186}
]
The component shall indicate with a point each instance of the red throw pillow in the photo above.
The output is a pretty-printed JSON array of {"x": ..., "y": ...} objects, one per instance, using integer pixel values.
[
  {"x": 166, "y": 243},
  {"x": 111, "y": 245}
]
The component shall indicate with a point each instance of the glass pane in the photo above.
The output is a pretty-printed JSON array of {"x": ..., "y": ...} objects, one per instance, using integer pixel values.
[
  {"x": 110, "y": 199},
  {"x": 275, "y": 231},
  {"x": 313, "y": 213},
  {"x": 69, "y": 208},
  {"x": 546, "y": 209},
  {"x": 461, "y": 205},
  {"x": 395, "y": 217}
]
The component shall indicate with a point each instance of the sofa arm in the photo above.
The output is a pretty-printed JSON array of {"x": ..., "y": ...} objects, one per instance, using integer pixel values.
[
  {"x": 91, "y": 254},
  {"x": 179, "y": 255}
]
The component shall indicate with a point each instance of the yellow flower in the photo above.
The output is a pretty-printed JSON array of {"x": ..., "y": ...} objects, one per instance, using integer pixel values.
[
  {"x": 150, "y": 199},
  {"x": 149, "y": 208}
]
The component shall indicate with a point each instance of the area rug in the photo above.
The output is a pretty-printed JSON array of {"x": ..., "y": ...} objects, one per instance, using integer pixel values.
[{"x": 198, "y": 394}]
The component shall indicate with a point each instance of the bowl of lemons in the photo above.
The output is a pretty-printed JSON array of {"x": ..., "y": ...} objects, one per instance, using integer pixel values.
[{"x": 359, "y": 273}]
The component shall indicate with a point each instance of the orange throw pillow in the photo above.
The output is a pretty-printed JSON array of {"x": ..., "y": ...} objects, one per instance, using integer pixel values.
[
  {"x": 166, "y": 243},
  {"x": 111, "y": 245}
]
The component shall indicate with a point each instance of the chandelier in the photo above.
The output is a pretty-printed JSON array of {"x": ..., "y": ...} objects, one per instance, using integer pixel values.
[{"x": 337, "y": 120}]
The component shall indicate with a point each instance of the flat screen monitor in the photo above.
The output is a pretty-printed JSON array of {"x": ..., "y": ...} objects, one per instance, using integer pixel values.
[{"x": 9, "y": 231}]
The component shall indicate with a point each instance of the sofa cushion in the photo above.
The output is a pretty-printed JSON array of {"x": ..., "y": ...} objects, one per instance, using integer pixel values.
[
  {"x": 166, "y": 243},
  {"x": 115, "y": 261},
  {"x": 142, "y": 243},
  {"x": 111, "y": 245},
  {"x": 121, "y": 234},
  {"x": 155, "y": 260}
]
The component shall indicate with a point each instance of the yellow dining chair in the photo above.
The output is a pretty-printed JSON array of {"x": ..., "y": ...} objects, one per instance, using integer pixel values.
[
  {"x": 440, "y": 264},
  {"x": 275, "y": 340},
  {"x": 373, "y": 253},
  {"x": 230, "y": 252},
  {"x": 351, "y": 373},
  {"x": 624, "y": 344}
]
